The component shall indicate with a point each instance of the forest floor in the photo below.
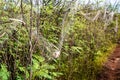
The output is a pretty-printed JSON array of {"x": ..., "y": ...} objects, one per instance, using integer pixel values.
[{"x": 111, "y": 68}]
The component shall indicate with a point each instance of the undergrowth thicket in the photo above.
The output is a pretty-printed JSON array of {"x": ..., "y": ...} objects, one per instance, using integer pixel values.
[{"x": 84, "y": 50}]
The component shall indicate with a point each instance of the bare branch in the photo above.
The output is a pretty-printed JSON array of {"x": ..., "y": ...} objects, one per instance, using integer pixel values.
[
  {"x": 18, "y": 20},
  {"x": 91, "y": 19},
  {"x": 116, "y": 27},
  {"x": 1, "y": 35}
]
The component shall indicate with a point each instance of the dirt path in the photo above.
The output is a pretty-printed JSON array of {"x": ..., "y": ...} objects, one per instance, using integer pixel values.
[{"x": 111, "y": 69}]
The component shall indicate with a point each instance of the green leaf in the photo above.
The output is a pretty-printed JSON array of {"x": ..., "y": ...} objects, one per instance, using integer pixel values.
[
  {"x": 35, "y": 64},
  {"x": 23, "y": 69},
  {"x": 44, "y": 73},
  {"x": 78, "y": 49},
  {"x": 47, "y": 66},
  {"x": 4, "y": 74},
  {"x": 39, "y": 58}
]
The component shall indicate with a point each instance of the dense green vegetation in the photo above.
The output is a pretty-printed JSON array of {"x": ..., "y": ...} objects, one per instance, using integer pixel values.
[{"x": 31, "y": 33}]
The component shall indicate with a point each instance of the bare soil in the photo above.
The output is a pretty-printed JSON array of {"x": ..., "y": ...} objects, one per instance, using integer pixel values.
[{"x": 111, "y": 68}]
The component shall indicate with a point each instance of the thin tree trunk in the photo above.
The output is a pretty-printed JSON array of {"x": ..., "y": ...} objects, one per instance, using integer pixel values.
[{"x": 30, "y": 42}]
